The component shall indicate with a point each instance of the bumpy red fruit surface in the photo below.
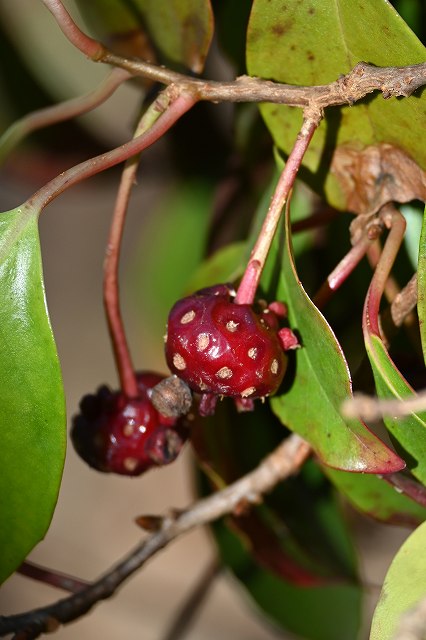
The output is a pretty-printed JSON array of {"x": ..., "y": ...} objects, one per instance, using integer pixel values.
[
  {"x": 128, "y": 436},
  {"x": 222, "y": 348}
]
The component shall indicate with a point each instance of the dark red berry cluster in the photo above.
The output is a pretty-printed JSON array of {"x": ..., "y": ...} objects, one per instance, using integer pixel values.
[
  {"x": 114, "y": 433},
  {"x": 220, "y": 348}
]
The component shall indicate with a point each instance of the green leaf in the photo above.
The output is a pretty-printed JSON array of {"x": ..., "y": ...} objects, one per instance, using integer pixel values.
[
  {"x": 32, "y": 409},
  {"x": 373, "y": 496},
  {"x": 409, "y": 433},
  {"x": 299, "y": 530},
  {"x": 180, "y": 29},
  {"x": 404, "y": 586},
  {"x": 225, "y": 265},
  {"x": 318, "y": 42},
  {"x": 320, "y": 613},
  {"x": 290, "y": 552},
  {"x": 421, "y": 286},
  {"x": 319, "y": 382}
]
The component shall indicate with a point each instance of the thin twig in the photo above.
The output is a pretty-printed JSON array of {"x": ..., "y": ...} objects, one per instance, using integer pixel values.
[
  {"x": 280, "y": 464},
  {"x": 61, "y": 112},
  {"x": 193, "y": 602},
  {"x": 52, "y": 577},
  {"x": 370, "y": 408}
]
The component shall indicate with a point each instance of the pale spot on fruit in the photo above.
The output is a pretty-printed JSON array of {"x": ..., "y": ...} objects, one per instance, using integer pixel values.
[
  {"x": 232, "y": 326},
  {"x": 165, "y": 337},
  {"x": 203, "y": 341},
  {"x": 130, "y": 464},
  {"x": 179, "y": 362},
  {"x": 128, "y": 430},
  {"x": 252, "y": 353},
  {"x": 274, "y": 366},
  {"x": 224, "y": 373},
  {"x": 188, "y": 317},
  {"x": 248, "y": 392}
]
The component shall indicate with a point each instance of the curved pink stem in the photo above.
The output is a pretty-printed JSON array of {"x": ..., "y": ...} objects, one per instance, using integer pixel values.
[{"x": 250, "y": 280}]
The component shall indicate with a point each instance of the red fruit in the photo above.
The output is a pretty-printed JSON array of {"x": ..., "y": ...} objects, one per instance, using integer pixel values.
[
  {"x": 225, "y": 349},
  {"x": 114, "y": 433}
]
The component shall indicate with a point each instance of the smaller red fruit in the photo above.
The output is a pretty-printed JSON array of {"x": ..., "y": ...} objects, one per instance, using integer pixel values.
[{"x": 128, "y": 436}]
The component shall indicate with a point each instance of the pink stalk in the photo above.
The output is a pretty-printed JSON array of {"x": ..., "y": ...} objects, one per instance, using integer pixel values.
[
  {"x": 60, "y": 112},
  {"x": 123, "y": 360},
  {"x": 339, "y": 274},
  {"x": 38, "y": 201},
  {"x": 396, "y": 221},
  {"x": 51, "y": 577},
  {"x": 250, "y": 280},
  {"x": 90, "y": 47}
]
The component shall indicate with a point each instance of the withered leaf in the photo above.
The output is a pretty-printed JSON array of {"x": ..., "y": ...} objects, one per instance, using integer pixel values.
[{"x": 376, "y": 175}]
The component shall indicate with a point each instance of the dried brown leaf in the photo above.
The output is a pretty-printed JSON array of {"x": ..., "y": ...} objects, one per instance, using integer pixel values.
[{"x": 377, "y": 175}]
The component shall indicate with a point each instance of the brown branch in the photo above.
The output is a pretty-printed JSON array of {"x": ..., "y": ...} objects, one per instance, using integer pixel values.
[
  {"x": 348, "y": 89},
  {"x": 404, "y": 302},
  {"x": 52, "y": 577},
  {"x": 362, "y": 80},
  {"x": 371, "y": 408},
  {"x": 280, "y": 464}
]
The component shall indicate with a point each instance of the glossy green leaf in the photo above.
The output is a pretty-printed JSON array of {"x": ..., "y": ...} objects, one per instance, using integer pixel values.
[
  {"x": 421, "y": 286},
  {"x": 32, "y": 408},
  {"x": 373, "y": 496},
  {"x": 409, "y": 433},
  {"x": 404, "y": 586},
  {"x": 181, "y": 30},
  {"x": 311, "y": 43},
  {"x": 319, "y": 382}
]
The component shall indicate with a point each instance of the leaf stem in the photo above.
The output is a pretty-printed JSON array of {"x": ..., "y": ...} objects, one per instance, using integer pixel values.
[
  {"x": 394, "y": 220},
  {"x": 87, "y": 45},
  {"x": 179, "y": 103},
  {"x": 123, "y": 360},
  {"x": 250, "y": 280},
  {"x": 348, "y": 263},
  {"x": 60, "y": 112}
]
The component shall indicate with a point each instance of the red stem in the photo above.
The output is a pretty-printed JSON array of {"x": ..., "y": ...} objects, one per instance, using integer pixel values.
[
  {"x": 91, "y": 167},
  {"x": 396, "y": 221},
  {"x": 250, "y": 280},
  {"x": 123, "y": 360},
  {"x": 339, "y": 274},
  {"x": 60, "y": 112},
  {"x": 53, "y": 578},
  {"x": 90, "y": 47}
]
